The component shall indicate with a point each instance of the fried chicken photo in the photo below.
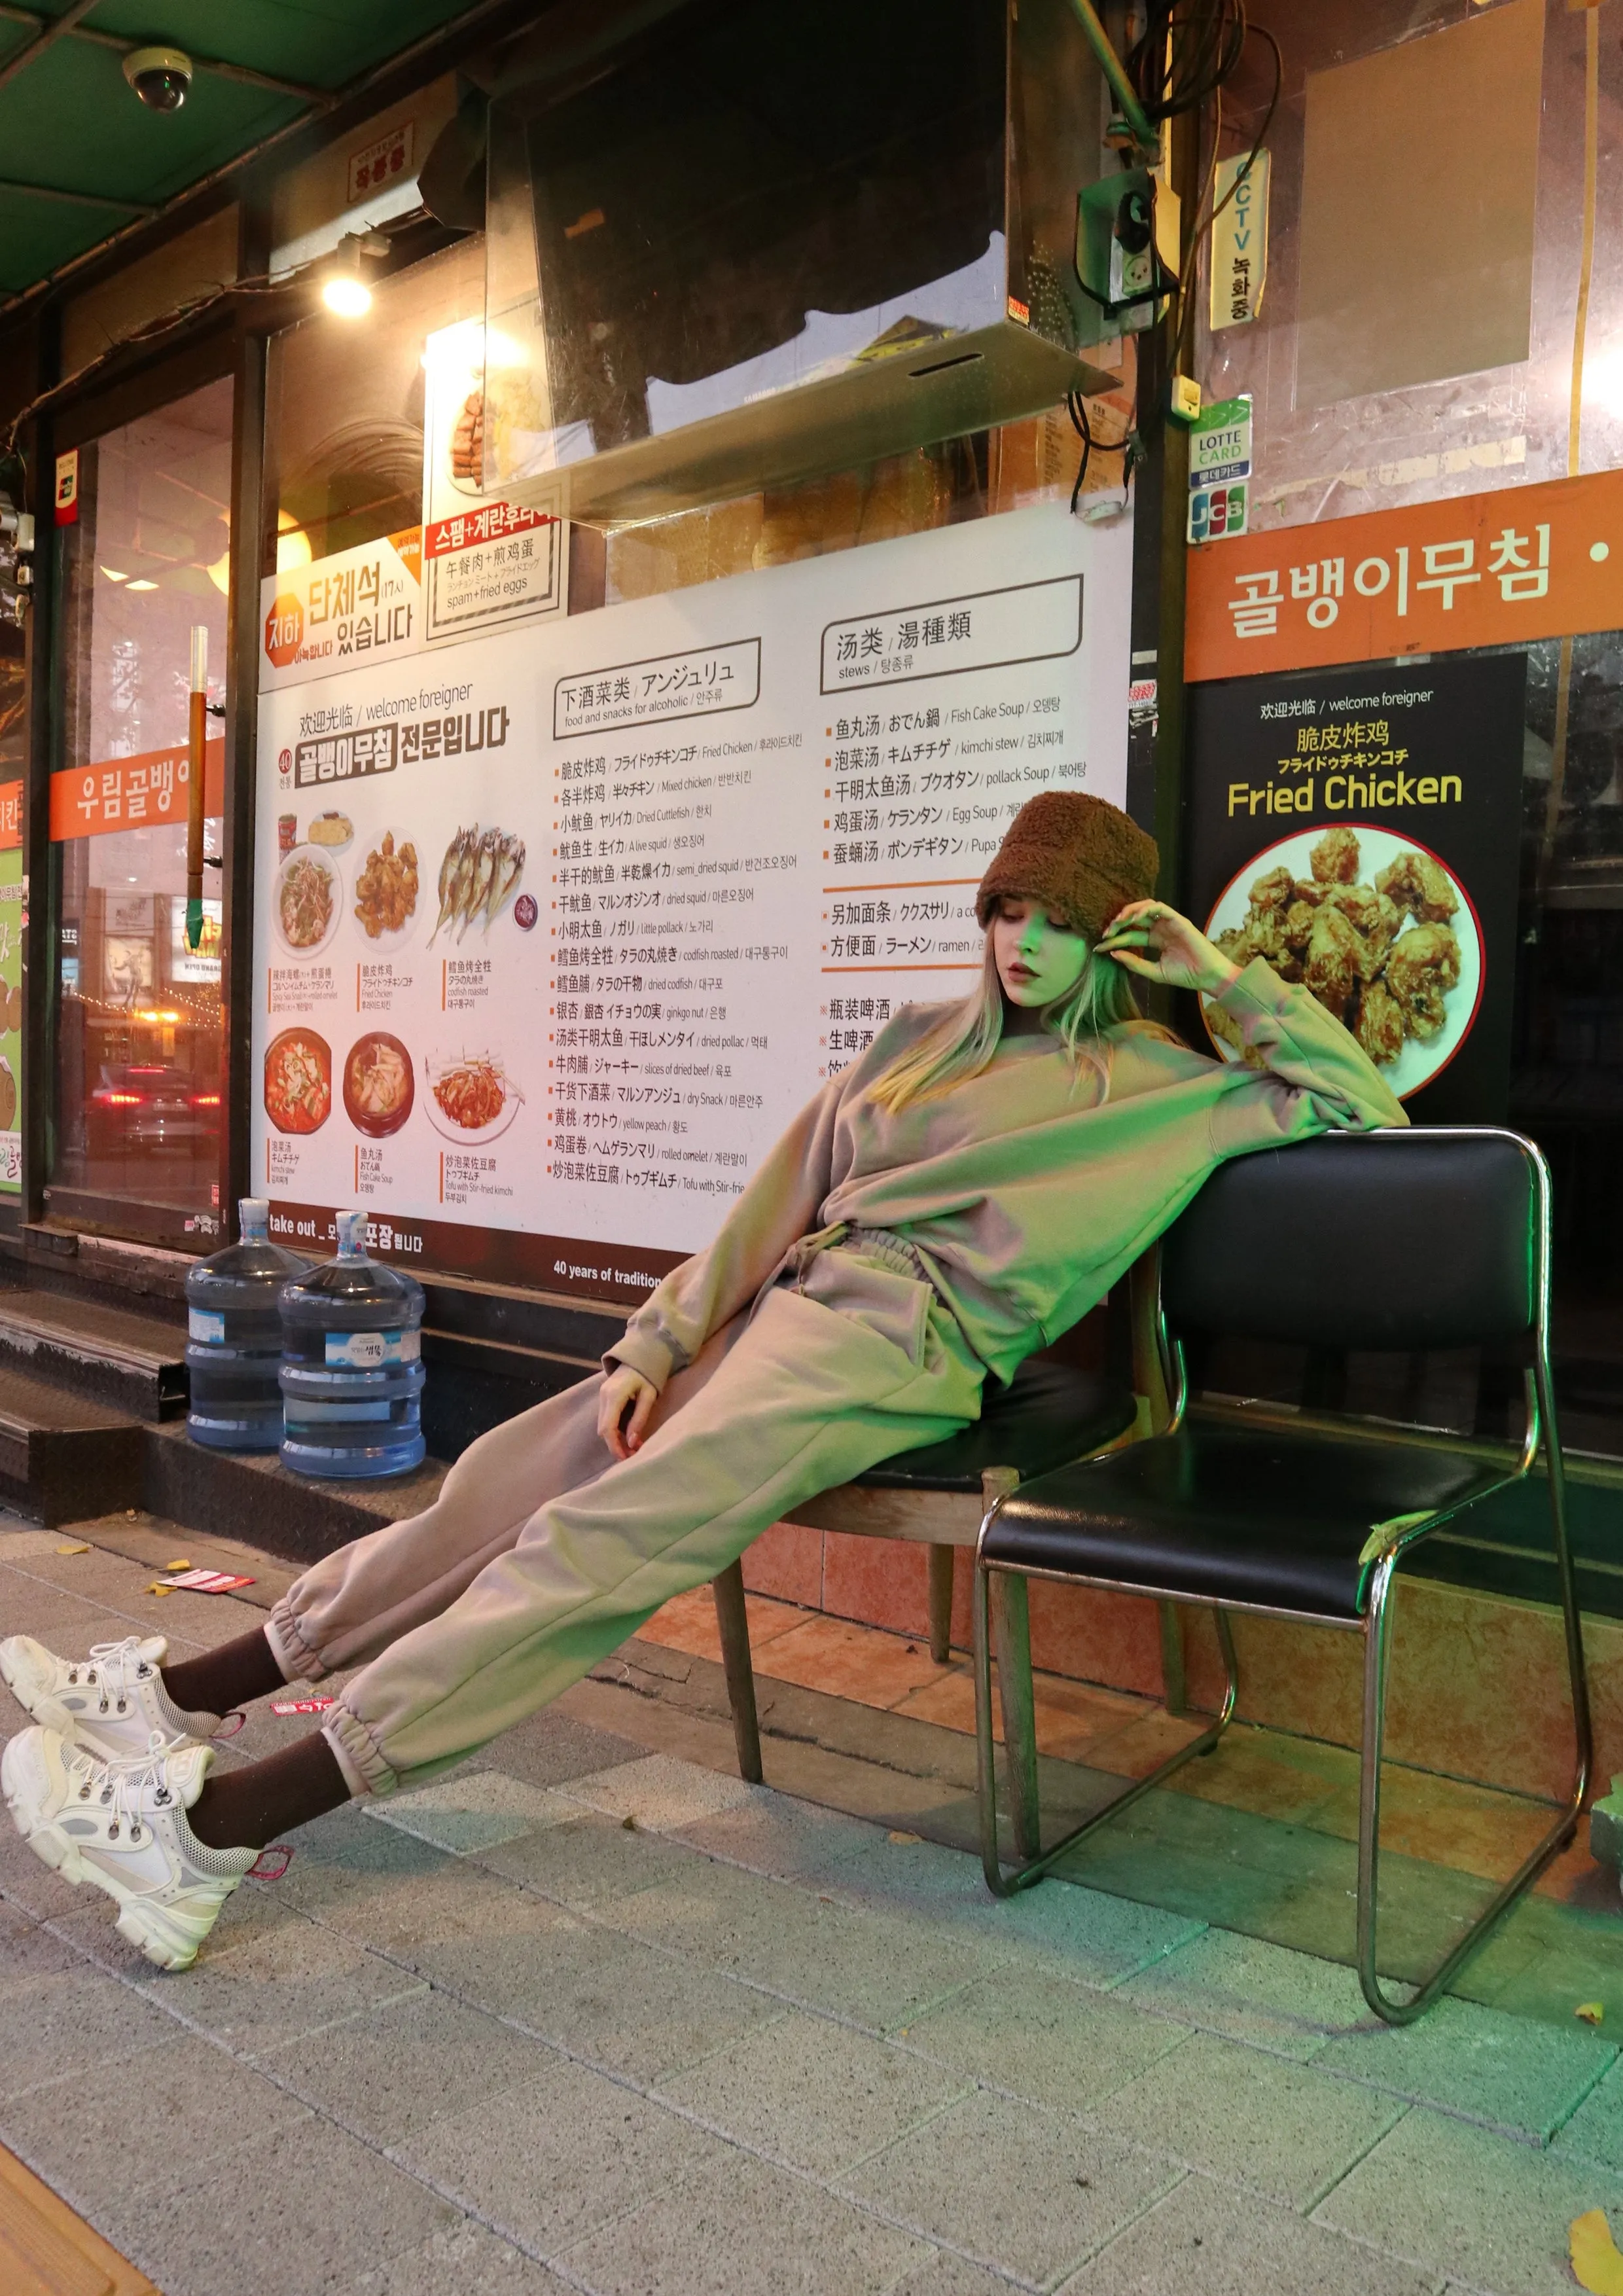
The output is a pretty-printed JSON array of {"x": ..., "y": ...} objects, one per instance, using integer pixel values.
[
  {"x": 1296, "y": 931},
  {"x": 1380, "y": 1027},
  {"x": 1423, "y": 968},
  {"x": 1373, "y": 918},
  {"x": 1381, "y": 957},
  {"x": 1274, "y": 892},
  {"x": 1332, "y": 965},
  {"x": 1334, "y": 859},
  {"x": 1413, "y": 881}
]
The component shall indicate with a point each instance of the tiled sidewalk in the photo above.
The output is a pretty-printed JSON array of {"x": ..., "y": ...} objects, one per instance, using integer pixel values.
[{"x": 591, "y": 2017}]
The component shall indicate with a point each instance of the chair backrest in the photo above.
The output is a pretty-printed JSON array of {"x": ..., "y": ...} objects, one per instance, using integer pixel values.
[{"x": 1403, "y": 1240}]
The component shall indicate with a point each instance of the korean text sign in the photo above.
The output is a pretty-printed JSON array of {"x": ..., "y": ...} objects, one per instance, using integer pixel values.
[
  {"x": 138, "y": 792},
  {"x": 1444, "y": 577},
  {"x": 559, "y": 926}
]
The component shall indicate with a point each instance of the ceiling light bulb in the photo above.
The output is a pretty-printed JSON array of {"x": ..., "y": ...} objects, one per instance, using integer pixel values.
[
  {"x": 292, "y": 543},
  {"x": 346, "y": 296},
  {"x": 220, "y": 573},
  {"x": 143, "y": 585},
  {"x": 113, "y": 574}
]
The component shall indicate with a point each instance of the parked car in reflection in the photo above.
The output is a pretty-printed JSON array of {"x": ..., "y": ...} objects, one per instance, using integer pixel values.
[{"x": 136, "y": 1109}]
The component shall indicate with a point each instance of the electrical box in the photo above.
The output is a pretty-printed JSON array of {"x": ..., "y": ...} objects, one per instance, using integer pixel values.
[
  {"x": 764, "y": 243},
  {"x": 1127, "y": 246}
]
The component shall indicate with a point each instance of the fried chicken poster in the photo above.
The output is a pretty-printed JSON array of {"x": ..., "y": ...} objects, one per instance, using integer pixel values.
[{"x": 1358, "y": 831}]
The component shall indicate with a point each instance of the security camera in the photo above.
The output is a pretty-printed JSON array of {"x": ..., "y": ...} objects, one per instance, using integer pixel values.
[{"x": 159, "y": 76}]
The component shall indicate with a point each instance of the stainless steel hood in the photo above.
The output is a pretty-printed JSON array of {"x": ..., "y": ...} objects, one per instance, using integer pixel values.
[{"x": 765, "y": 243}]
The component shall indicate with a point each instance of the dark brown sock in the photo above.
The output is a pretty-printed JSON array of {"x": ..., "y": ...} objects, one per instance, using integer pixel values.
[
  {"x": 220, "y": 1680},
  {"x": 246, "y": 1808}
]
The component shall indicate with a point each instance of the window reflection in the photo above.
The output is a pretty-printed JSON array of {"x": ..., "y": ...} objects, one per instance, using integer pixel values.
[
  {"x": 136, "y": 1140},
  {"x": 1566, "y": 1065}
]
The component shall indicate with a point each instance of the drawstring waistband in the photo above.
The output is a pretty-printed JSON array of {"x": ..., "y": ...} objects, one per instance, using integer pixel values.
[{"x": 892, "y": 1251}]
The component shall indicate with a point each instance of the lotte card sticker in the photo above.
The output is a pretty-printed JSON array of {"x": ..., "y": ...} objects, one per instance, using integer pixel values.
[{"x": 1219, "y": 471}]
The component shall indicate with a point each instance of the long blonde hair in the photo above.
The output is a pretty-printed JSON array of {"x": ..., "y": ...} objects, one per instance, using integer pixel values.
[{"x": 963, "y": 1042}]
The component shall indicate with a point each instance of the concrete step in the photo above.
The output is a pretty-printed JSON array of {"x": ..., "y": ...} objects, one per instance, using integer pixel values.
[
  {"x": 250, "y": 1495},
  {"x": 135, "y": 1363},
  {"x": 65, "y": 1458}
]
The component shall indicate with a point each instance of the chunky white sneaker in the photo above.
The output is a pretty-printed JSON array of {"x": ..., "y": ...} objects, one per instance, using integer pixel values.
[
  {"x": 122, "y": 1826},
  {"x": 110, "y": 1704}
]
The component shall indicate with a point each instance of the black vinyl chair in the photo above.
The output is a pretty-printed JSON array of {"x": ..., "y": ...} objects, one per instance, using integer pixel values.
[{"x": 1397, "y": 1240}]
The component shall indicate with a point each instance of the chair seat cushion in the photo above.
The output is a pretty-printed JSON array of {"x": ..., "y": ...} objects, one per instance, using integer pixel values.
[
  {"x": 1050, "y": 1413},
  {"x": 1232, "y": 1514}
]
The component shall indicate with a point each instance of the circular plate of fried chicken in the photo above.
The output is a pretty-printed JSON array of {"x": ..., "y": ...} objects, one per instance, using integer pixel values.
[{"x": 1376, "y": 926}]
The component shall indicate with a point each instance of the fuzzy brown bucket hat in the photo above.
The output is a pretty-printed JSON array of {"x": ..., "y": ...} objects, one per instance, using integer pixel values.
[{"x": 1081, "y": 859}]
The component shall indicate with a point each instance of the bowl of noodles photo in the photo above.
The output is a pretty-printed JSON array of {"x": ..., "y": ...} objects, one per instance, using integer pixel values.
[
  {"x": 1376, "y": 927},
  {"x": 306, "y": 901},
  {"x": 379, "y": 1086}
]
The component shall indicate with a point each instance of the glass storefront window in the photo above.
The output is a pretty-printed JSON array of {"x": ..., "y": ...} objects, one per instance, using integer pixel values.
[
  {"x": 1567, "y": 1061},
  {"x": 344, "y": 409},
  {"x": 136, "y": 1138},
  {"x": 14, "y": 767}
]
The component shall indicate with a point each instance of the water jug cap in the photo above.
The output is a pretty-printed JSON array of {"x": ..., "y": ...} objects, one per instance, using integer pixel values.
[
  {"x": 253, "y": 1219},
  {"x": 352, "y": 1236}
]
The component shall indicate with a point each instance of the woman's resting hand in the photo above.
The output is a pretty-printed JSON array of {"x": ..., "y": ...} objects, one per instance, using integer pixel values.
[
  {"x": 1152, "y": 939},
  {"x": 625, "y": 1390}
]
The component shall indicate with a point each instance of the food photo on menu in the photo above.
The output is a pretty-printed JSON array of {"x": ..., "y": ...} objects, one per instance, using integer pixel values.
[
  {"x": 559, "y": 928},
  {"x": 299, "y": 1082},
  {"x": 379, "y": 1086},
  {"x": 475, "y": 1097},
  {"x": 386, "y": 889},
  {"x": 477, "y": 876},
  {"x": 1347, "y": 829},
  {"x": 1381, "y": 932},
  {"x": 306, "y": 901},
  {"x": 357, "y": 905}
]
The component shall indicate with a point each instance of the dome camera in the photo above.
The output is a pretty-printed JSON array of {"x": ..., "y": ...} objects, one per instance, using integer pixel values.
[{"x": 159, "y": 76}]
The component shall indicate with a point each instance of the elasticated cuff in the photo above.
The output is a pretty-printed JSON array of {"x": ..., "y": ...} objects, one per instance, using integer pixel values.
[
  {"x": 641, "y": 1351},
  {"x": 299, "y": 1662},
  {"x": 1257, "y": 990},
  {"x": 358, "y": 1753}
]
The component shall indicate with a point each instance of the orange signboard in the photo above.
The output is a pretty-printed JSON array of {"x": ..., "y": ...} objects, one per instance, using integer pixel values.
[
  {"x": 1477, "y": 570},
  {"x": 11, "y": 815},
  {"x": 139, "y": 792}
]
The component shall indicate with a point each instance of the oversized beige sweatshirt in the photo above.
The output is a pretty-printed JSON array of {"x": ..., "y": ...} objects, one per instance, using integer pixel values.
[{"x": 1026, "y": 1191}]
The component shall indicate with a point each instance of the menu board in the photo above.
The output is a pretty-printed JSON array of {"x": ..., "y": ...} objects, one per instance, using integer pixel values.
[
  {"x": 1360, "y": 830},
  {"x": 558, "y": 927}
]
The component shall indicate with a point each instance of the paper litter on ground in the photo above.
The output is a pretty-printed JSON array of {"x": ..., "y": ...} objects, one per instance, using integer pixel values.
[{"x": 200, "y": 1582}]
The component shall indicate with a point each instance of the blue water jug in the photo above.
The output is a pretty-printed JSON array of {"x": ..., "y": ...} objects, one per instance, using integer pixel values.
[
  {"x": 351, "y": 1368},
  {"x": 233, "y": 1336}
]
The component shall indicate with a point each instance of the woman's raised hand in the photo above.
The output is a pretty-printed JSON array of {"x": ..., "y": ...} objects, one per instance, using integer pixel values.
[
  {"x": 1152, "y": 939},
  {"x": 625, "y": 1391}
]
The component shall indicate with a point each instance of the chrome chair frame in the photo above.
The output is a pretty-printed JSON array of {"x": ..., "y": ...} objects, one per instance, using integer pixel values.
[{"x": 1374, "y": 1625}]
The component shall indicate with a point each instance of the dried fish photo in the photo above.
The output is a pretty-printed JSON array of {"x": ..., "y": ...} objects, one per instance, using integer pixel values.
[{"x": 479, "y": 875}]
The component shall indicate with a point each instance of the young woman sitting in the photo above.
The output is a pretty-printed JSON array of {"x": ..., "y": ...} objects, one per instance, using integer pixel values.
[{"x": 957, "y": 1198}]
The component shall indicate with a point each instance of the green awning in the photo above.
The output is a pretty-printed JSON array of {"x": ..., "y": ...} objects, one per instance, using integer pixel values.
[{"x": 80, "y": 156}]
